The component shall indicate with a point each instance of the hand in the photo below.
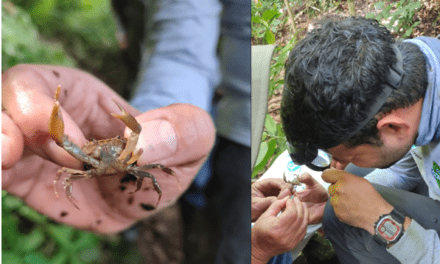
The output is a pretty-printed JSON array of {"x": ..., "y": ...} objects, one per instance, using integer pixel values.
[
  {"x": 315, "y": 196},
  {"x": 354, "y": 199},
  {"x": 265, "y": 192},
  {"x": 178, "y": 136},
  {"x": 273, "y": 235},
  {"x": 338, "y": 165}
]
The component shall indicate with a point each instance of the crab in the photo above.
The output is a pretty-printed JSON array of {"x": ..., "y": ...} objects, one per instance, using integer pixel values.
[
  {"x": 103, "y": 157},
  {"x": 295, "y": 181}
]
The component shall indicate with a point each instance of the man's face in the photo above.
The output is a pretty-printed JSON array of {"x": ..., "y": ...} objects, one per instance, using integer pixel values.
[{"x": 369, "y": 156}]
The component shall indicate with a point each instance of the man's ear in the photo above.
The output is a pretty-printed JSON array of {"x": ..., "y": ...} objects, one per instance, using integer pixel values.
[{"x": 393, "y": 129}]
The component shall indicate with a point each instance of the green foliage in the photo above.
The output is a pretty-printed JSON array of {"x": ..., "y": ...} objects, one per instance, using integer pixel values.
[
  {"x": 29, "y": 237},
  {"x": 86, "y": 28},
  {"x": 22, "y": 42},
  {"x": 277, "y": 66},
  {"x": 264, "y": 23},
  {"x": 400, "y": 15},
  {"x": 272, "y": 145}
]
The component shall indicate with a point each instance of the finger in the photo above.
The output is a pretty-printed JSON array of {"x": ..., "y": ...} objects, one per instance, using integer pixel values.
[
  {"x": 179, "y": 135},
  {"x": 28, "y": 97},
  {"x": 338, "y": 165},
  {"x": 331, "y": 189},
  {"x": 334, "y": 200},
  {"x": 331, "y": 175},
  {"x": 276, "y": 207},
  {"x": 261, "y": 204},
  {"x": 305, "y": 222},
  {"x": 286, "y": 191},
  {"x": 315, "y": 213},
  {"x": 307, "y": 179},
  {"x": 12, "y": 142},
  {"x": 293, "y": 210},
  {"x": 299, "y": 206},
  {"x": 271, "y": 187}
]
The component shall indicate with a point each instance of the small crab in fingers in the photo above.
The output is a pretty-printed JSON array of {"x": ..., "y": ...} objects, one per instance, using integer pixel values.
[
  {"x": 103, "y": 157},
  {"x": 293, "y": 180}
]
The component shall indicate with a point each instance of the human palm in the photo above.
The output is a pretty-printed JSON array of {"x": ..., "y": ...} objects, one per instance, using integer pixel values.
[
  {"x": 178, "y": 136},
  {"x": 315, "y": 196}
]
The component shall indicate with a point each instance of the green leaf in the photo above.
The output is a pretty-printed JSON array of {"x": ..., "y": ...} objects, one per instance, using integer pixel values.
[
  {"x": 409, "y": 31},
  {"x": 269, "y": 37},
  {"x": 269, "y": 15},
  {"x": 10, "y": 233},
  {"x": 270, "y": 125},
  {"x": 11, "y": 258},
  {"x": 35, "y": 258},
  {"x": 62, "y": 234},
  {"x": 386, "y": 12},
  {"x": 261, "y": 153},
  {"x": 370, "y": 15},
  {"x": 12, "y": 202},
  {"x": 264, "y": 136},
  {"x": 90, "y": 254},
  {"x": 85, "y": 240},
  {"x": 280, "y": 134},
  {"x": 267, "y": 148},
  {"x": 32, "y": 215},
  {"x": 379, "y": 5},
  {"x": 256, "y": 19},
  {"x": 61, "y": 258},
  {"x": 32, "y": 241},
  {"x": 22, "y": 42}
]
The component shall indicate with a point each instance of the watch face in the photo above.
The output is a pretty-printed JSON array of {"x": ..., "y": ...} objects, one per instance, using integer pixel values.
[{"x": 388, "y": 229}]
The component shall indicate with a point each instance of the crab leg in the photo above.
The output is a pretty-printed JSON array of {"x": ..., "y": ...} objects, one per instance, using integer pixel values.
[
  {"x": 56, "y": 130},
  {"x": 67, "y": 183},
  {"x": 136, "y": 129},
  {"x": 143, "y": 174},
  {"x": 158, "y": 166}
]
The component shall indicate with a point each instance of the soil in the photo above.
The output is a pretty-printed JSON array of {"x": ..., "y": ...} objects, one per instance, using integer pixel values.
[{"x": 161, "y": 237}]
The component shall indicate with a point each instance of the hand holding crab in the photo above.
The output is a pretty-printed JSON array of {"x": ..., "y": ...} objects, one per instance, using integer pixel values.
[
  {"x": 105, "y": 157},
  {"x": 179, "y": 136}
]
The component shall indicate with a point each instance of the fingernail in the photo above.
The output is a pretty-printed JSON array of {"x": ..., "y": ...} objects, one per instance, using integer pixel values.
[{"x": 158, "y": 140}]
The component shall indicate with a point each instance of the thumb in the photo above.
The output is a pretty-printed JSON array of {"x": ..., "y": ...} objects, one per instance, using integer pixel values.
[
  {"x": 157, "y": 139},
  {"x": 331, "y": 175},
  {"x": 307, "y": 179},
  {"x": 276, "y": 207},
  {"x": 182, "y": 133}
]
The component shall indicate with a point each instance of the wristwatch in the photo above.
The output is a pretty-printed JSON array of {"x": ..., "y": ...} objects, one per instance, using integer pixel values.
[{"x": 389, "y": 228}]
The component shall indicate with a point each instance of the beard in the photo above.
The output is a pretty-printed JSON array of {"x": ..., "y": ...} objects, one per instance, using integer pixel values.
[{"x": 391, "y": 156}]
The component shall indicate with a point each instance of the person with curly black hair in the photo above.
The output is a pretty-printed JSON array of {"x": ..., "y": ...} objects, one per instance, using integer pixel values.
[{"x": 354, "y": 92}]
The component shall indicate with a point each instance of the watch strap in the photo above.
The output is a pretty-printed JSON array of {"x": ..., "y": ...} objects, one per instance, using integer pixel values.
[{"x": 396, "y": 215}]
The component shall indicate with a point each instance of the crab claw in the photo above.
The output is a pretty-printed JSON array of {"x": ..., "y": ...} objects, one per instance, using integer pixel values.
[
  {"x": 56, "y": 124},
  {"x": 136, "y": 129},
  {"x": 135, "y": 156},
  {"x": 128, "y": 119}
]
